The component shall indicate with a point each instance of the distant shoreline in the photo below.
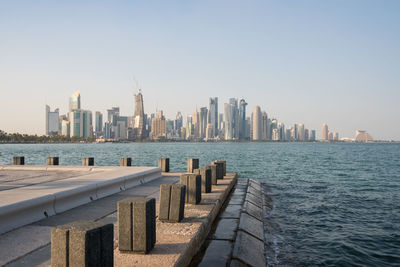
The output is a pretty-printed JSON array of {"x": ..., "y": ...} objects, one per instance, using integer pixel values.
[{"x": 194, "y": 142}]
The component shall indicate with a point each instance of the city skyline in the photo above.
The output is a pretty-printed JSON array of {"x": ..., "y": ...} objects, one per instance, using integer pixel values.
[
  {"x": 233, "y": 124},
  {"x": 307, "y": 63}
]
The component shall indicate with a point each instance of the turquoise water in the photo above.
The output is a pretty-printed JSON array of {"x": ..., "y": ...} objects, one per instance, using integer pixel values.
[{"x": 332, "y": 204}]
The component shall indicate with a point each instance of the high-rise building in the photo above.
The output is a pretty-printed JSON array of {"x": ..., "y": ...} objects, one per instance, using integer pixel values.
[
  {"x": 203, "y": 122},
  {"x": 75, "y": 101},
  {"x": 296, "y": 132},
  {"x": 301, "y": 132},
  {"x": 281, "y": 131},
  {"x": 312, "y": 135},
  {"x": 159, "y": 126},
  {"x": 288, "y": 135},
  {"x": 98, "y": 124},
  {"x": 178, "y": 123},
  {"x": 80, "y": 123},
  {"x": 264, "y": 126},
  {"x": 189, "y": 128},
  {"x": 335, "y": 136},
  {"x": 213, "y": 114},
  {"x": 139, "y": 118},
  {"x": 107, "y": 130},
  {"x": 242, "y": 120},
  {"x": 235, "y": 117},
  {"x": 209, "y": 131},
  {"x": 306, "y": 135},
  {"x": 324, "y": 132},
  {"x": 196, "y": 124},
  {"x": 52, "y": 121},
  {"x": 330, "y": 136},
  {"x": 65, "y": 127},
  {"x": 257, "y": 123},
  {"x": 228, "y": 119}
]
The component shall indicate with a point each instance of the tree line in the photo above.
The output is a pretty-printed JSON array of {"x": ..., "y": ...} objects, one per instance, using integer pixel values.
[{"x": 27, "y": 138}]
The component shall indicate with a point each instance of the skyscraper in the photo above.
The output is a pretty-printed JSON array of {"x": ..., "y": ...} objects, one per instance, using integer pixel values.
[
  {"x": 75, "y": 101},
  {"x": 312, "y": 135},
  {"x": 80, "y": 123},
  {"x": 228, "y": 118},
  {"x": 98, "y": 124},
  {"x": 257, "y": 123},
  {"x": 196, "y": 124},
  {"x": 264, "y": 126},
  {"x": 159, "y": 126},
  {"x": 52, "y": 121},
  {"x": 324, "y": 132},
  {"x": 301, "y": 132},
  {"x": 178, "y": 123},
  {"x": 203, "y": 122},
  {"x": 242, "y": 120},
  {"x": 139, "y": 118},
  {"x": 213, "y": 114}
]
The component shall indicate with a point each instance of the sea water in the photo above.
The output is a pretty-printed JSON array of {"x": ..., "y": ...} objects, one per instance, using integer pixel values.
[{"x": 332, "y": 204}]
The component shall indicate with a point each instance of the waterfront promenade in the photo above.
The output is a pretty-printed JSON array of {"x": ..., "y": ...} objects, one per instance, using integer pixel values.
[{"x": 63, "y": 194}]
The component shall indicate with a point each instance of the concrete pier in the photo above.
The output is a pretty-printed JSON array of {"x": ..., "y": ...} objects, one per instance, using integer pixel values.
[
  {"x": 87, "y": 161},
  {"x": 137, "y": 224},
  {"x": 176, "y": 243},
  {"x": 52, "y": 161},
  {"x": 192, "y": 164},
  {"x": 193, "y": 187},
  {"x": 18, "y": 160},
  {"x": 125, "y": 162},
  {"x": 172, "y": 202},
  {"x": 163, "y": 163},
  {"x": 82, "y": 243},
  {"x": 32, "y": 193}
]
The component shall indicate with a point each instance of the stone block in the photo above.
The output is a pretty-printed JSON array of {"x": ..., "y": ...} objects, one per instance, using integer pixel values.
[
  {"x": 192, "y": 164},
  {"x": 163, "y": 163},
  {"x": 205, "y": 179},
  {"x": 220, "y": 169},
  {"x": 82, "y": 244},
  {"x": 172, "y": 202},
  {"x": 213, "y": 169},
  {"x": 126, "y": 162},
  {"x": 252, "y": 226},
  {"x": 137, "y": 225},
  {"x": 224, "y": 165},
  {"x": 249, "y": 250},
  {"x": 193, "y": 187},
  {"x": 226, "y": 229},
  {"x": 19, "y": 160},
  {"x": 87, "y": 161},
  {"x": 252, "y": 210},
  {"x": 52, "y": 161},
  {"x": 217, "y": 253}
]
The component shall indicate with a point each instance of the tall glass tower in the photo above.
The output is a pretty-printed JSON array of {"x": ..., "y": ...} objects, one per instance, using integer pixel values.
[
  {"x": 242, "y": 120},
  {"x": 213, "y": 114},
  {"x": 139, "y": 125},
  {"x": 75, "y": 101}
]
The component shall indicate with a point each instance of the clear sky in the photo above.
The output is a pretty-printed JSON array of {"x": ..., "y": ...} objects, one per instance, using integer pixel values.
[{"x": 302, "y": 61}]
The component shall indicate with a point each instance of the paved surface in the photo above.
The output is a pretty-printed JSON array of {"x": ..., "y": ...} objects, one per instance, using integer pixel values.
[
  {"x": 176, "y": 243},
  {"x": 238, "y": 235},
  {"x": 32, "y": 193}
]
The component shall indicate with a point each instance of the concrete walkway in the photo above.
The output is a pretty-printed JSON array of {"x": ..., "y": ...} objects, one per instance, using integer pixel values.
[
  {"x": 176, "y": 243},
  {"x": 32, "y": 193}
]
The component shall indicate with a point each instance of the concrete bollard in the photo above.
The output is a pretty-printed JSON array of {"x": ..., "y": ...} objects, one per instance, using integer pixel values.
[
  {"x": 172, "y": 202},
  {"x": 213, "y": 169},
  {"x": 126, "y": 162},
  {"x": 192, "y": 164},
  {"x": 52, "y": 161},
  {"x": 193, "y": 187},
  {"x": 224, "y": 164},
  {"x": 163, "y": 163},
  {"x": 220, "y": 169},
  {"x": 205, "y": 179},
  {"x": 137, "y": 224},
  {"x": 19, "y": 160},
  {"x": 87, "y": 161},
  {"x": 82, "y": 244}
]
